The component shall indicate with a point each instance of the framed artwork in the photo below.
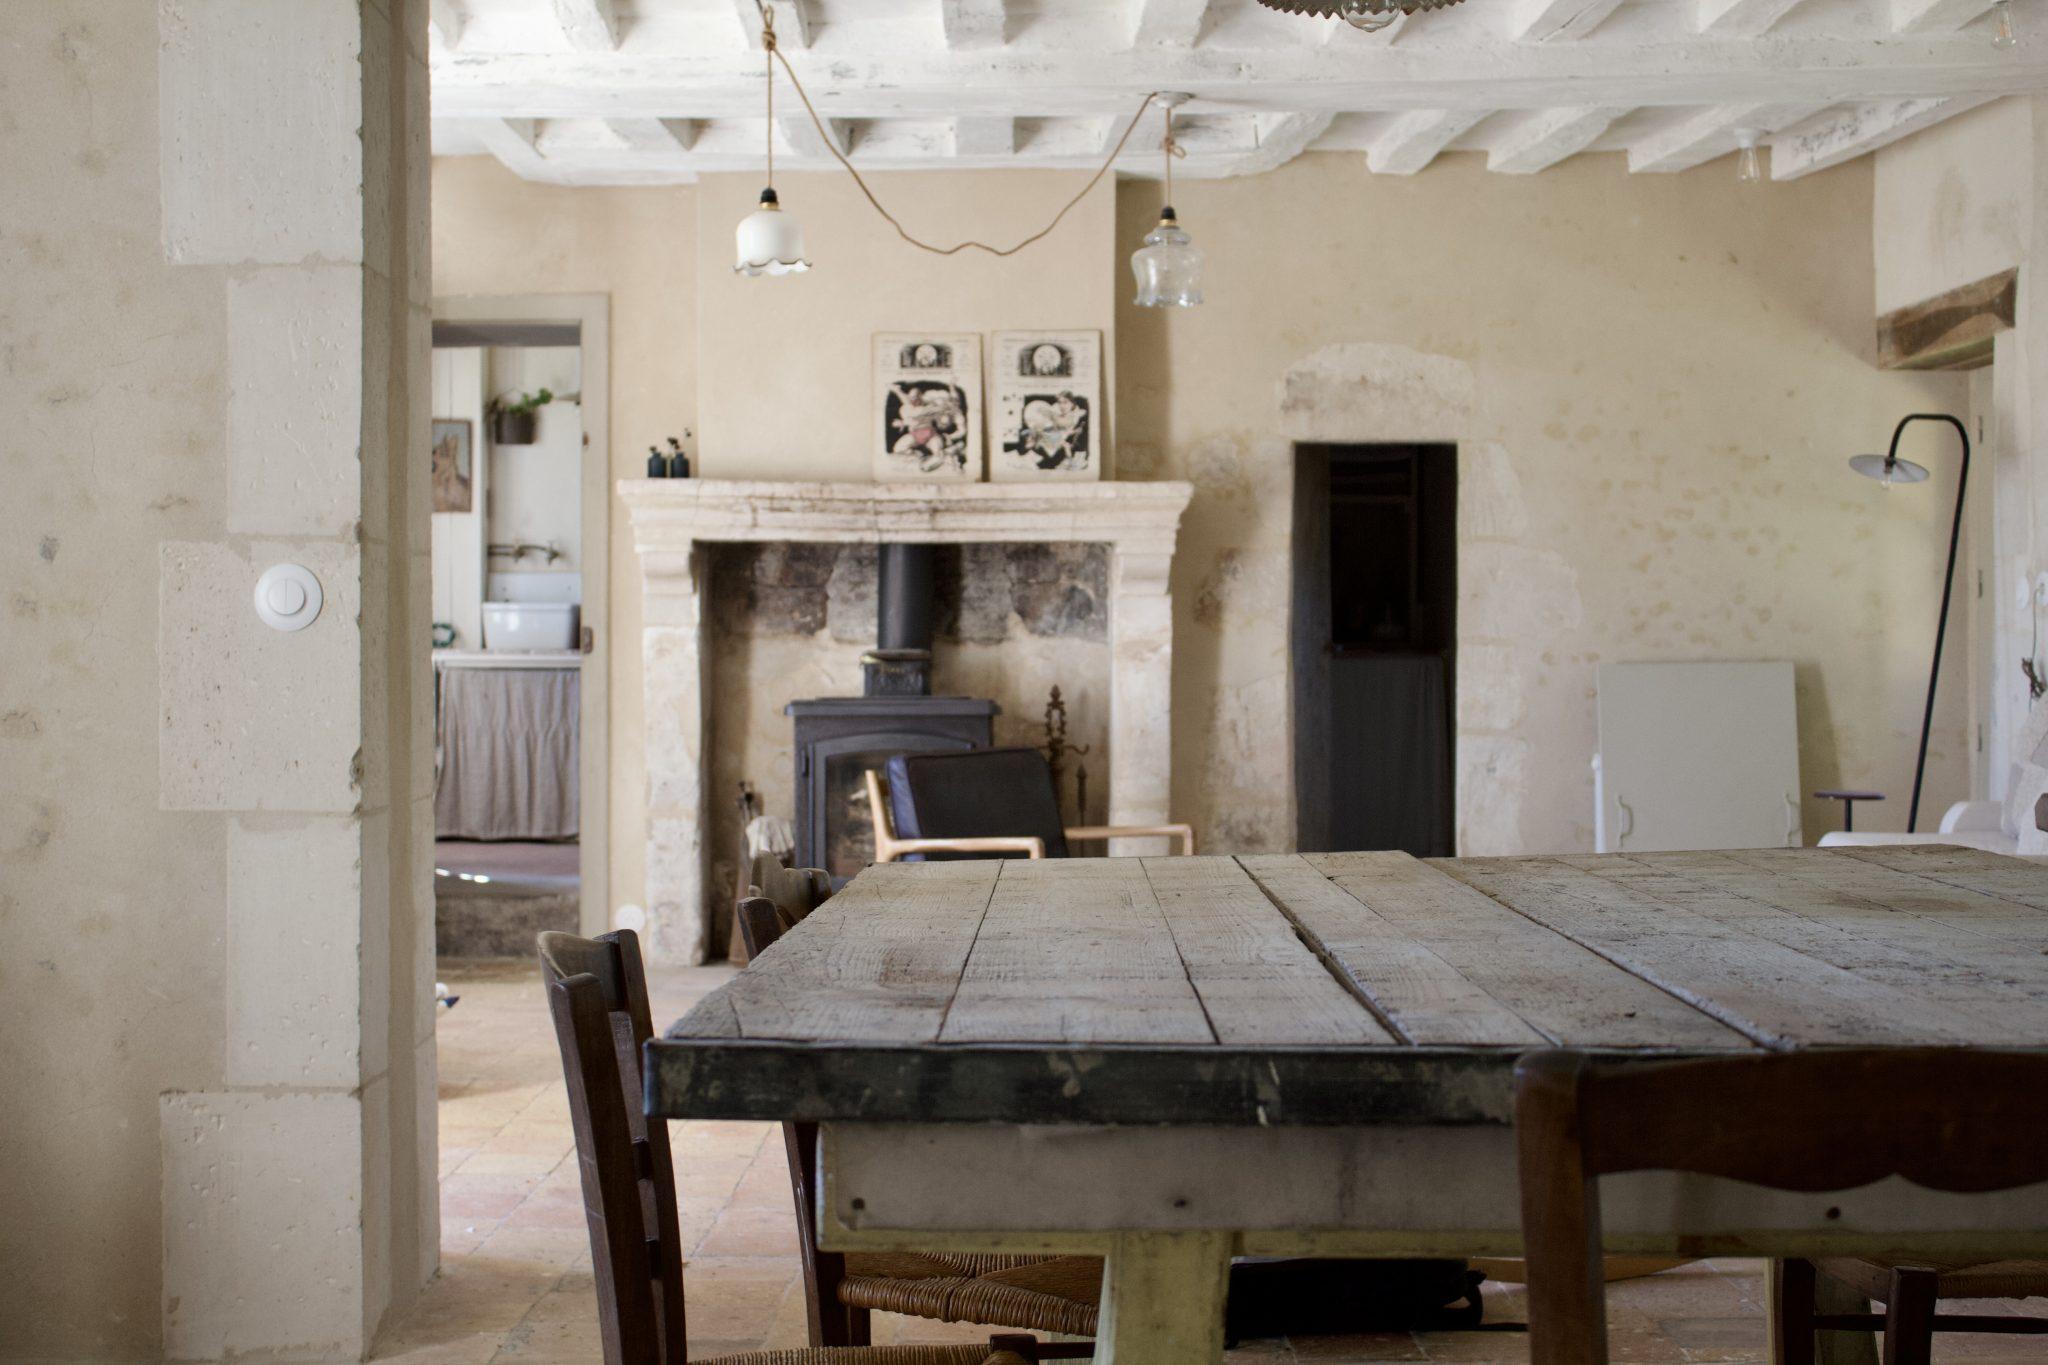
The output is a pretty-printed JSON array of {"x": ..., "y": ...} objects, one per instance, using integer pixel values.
[
  {"x": 1048, "y": 398},
  {"x": 454, "y": 465},
  {"x": 927, "y": 406}
]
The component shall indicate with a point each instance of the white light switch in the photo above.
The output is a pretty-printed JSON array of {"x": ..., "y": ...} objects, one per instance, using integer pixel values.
[{"x": 288, "y": 597}]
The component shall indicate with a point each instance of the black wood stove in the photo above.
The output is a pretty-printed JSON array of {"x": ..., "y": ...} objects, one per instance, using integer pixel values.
[{"x": 839, "y": 738}]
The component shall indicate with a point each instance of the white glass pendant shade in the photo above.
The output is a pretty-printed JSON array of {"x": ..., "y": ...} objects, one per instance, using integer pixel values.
[
  {"x": 1168, "y": 267},
  {"x": 769, "y": 241}
]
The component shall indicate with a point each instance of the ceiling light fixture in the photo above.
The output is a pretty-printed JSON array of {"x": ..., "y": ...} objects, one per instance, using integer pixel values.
[
  {"x": 1369, "y": 15},
  {"x": 1749, "y": 167},
  {"x": 769, "y": 241},
  {"x": 1169, "y": 266},
  {"x": 2002, "y": 34}
]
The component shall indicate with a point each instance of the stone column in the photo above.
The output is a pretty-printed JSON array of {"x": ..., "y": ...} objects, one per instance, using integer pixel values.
[
  {"x": 299, "y": 1202},
  {"x": 673, "y": 658},
  {"x": 1140, "y": 692}
]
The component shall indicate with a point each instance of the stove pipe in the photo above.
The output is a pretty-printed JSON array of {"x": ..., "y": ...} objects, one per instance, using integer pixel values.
[{"x": 900, "y": 663}]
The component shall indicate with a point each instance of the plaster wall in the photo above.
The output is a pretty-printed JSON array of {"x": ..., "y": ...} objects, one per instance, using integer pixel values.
[
  {"x": 1652, "y": 381},
  {"x": 458, "y": 537},
  {"x": 219, "y": 1064},
  {"x": 1954, "y": 203},
  {"x": 784, "y": 388}
]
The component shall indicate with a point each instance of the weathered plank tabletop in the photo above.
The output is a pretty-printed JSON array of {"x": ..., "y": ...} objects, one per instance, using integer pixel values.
[{"x": 1170, "y": 1059}]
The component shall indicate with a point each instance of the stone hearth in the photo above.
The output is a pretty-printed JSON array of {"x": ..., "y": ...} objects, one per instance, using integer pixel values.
[{"x": 1138, "y": 522}]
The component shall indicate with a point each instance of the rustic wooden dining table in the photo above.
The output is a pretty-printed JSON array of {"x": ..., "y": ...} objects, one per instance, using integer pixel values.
[{"x": 1171, "y": 1061}]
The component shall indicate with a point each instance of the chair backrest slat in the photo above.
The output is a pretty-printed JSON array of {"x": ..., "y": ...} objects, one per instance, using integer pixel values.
[
  {"x": 597, "y": 994},
  {"x": 1946, "y": 1119}
]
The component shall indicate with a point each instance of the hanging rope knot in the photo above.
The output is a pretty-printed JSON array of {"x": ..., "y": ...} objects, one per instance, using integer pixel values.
[
  {"x": 767, "y": 25},
  {"x": 1171, "y": 146}
]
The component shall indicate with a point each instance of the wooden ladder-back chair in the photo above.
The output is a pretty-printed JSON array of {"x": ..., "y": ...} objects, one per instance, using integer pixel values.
[
  {"x": 982, "y": 802},
  {"x": 1035, "y": 1293},
  {"x": 597, "y": 993},
  {"x": 1961, "y": 1122}
]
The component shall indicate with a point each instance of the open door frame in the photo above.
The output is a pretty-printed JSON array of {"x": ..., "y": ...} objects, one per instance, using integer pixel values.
[{"x": 592, "y": 315}]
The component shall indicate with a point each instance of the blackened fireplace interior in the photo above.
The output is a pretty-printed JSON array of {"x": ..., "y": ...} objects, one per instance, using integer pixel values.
[{"x": 839, "y": 738}]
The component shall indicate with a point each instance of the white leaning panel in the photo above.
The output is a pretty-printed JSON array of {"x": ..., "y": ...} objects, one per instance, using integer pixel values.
[{"x": 1696, "y": 756}]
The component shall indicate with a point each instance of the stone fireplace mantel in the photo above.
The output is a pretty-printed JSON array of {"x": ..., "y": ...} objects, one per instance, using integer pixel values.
[{"x": 671, "y": 517}]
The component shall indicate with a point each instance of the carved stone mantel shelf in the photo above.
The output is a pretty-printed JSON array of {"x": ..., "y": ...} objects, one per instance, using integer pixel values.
[{"x": 670, "y": 517}]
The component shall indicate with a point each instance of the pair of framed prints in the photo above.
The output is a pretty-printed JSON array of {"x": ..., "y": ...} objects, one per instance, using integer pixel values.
[{"x": 1045, "y": 394}]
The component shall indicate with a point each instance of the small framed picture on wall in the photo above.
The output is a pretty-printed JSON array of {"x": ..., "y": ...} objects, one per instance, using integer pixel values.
[
  {"x": 454, "y": 467},
  {"x": 1048, "y": 397},
  {"x": 927, "y": 419}
]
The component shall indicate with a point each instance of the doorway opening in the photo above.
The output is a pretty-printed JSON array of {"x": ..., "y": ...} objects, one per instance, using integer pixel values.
[
  {"x": 1375, "y": 596},
  {"x": 519, "y": 565}
]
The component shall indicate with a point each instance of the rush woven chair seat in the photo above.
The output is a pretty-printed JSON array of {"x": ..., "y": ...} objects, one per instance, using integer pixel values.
[
  {"x": 597, "y": 993},
  {"x": 1035, "y": 1293},
  {"x": 1042, "y": 1293},
  {"x": 1963, "y": 1122}
]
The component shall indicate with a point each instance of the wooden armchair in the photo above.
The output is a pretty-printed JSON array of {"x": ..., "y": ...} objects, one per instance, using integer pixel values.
[
  {"x": 982, "y": 802},
  {"x": 1963, "y": 1122}
]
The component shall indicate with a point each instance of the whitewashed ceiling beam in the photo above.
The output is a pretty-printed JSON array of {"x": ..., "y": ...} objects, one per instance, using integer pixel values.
[
  {"x": 1710, "y": 133},
  {"x": 984, "y": 137},
  {"x": 444, "y": 23},
  {"x": 1935, "y": 16},
  {"x": 1280, "y": 138},
  {"x": 1855, "y": 131},
  {"x": 588, "y": 25},
  {"x": 1473, "y": 75},
  {"x": 663, "y": 135},
  {"x": 513, "y": 142},
  {"x": 1167, "y": 23},
  {"x": 804, "y": 140},
  {"x": 1540, "y": 140},
  {"x": 792, "y": 23},
  {"x": 1416, "y": 138},
  {"x": 971, "y": 24},
  {"x": 1539, "y": 21},
  {"x": 1740, "y": 18}
]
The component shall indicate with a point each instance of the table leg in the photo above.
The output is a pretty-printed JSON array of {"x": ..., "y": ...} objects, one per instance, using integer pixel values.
[
  {"x": 1162, "y": 1299},
  {"x": 1841, "y": 1348}
]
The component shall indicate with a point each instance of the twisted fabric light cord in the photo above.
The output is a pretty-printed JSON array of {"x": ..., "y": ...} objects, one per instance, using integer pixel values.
[{"x": 832, "y": 146}]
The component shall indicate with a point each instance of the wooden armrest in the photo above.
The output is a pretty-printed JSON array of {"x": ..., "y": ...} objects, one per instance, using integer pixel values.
[
  {"x": 1028, "y": 844},
  {"x": 1184, "y": 833}
]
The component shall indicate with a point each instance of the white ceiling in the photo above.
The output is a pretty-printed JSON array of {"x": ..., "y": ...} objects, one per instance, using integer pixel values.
[{"x": 613, "y": 92}]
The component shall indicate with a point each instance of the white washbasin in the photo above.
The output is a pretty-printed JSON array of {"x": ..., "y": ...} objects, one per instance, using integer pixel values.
[{"x": 524, "y": 627}]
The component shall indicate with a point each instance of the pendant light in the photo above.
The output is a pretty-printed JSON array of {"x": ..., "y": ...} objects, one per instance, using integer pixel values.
[
  {"x": 2002, "y": 35},
  {"x": 1169, "y": 266},
  {"x": 769, "y": 241},
  {"x": 1749, "y": 166}
]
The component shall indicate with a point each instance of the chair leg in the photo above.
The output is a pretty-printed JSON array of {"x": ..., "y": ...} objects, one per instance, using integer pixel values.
[
  {"x": 1790, "y": 1293},
  {"x": 1909, "y": 1317}
]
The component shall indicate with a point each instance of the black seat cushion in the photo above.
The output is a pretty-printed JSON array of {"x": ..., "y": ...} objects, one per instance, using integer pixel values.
[{"x": 982, "y": 793}]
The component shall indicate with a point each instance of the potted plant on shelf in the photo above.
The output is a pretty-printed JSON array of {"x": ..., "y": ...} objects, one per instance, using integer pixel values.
[{"x": 516, "y": 421}]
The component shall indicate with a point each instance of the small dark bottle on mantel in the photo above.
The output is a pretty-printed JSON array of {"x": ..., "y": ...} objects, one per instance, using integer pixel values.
[
  {"x": 657, "y": 463},
  {"x": 678, "y": 463}
]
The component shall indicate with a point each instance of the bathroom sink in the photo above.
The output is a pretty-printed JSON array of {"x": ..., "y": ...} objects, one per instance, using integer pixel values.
[{"x": 526, "y": 627}]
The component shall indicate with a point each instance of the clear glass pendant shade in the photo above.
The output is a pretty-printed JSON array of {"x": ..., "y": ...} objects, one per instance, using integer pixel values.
[
  {"x": 769, "y": 241},
  {"x": 2002, "y": 35},
  {"x": 1168, "y": 267},
  {"x": 1361, "y": 14},
  {"x": 1749, "y": 164}
]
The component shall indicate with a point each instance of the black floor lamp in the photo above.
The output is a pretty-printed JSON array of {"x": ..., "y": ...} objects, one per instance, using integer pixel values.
[{"x": 1889, "y": 469}]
